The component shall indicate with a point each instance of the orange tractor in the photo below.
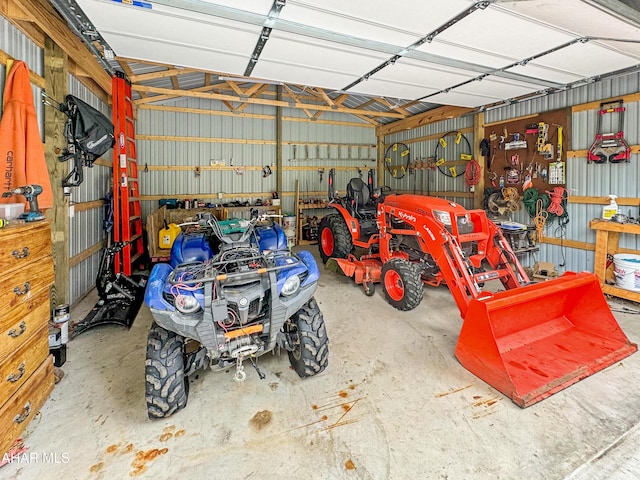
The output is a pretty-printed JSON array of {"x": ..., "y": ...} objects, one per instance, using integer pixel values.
[{"x": 529, "y": 341}]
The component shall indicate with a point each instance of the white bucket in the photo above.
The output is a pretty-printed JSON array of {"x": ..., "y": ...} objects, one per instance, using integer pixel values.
[
  {"x": 289, "y": 222},
  {"x": 626, "y": 267}
]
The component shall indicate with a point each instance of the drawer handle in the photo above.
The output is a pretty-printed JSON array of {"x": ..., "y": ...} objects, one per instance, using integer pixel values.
[
  {"x": 13, "y": 377},
  {"x": 18, "y": 291},
  {"x": 17, "y": 254},
  {"x": 21, "y": 417},
  {"x": 23, "y": 328}
]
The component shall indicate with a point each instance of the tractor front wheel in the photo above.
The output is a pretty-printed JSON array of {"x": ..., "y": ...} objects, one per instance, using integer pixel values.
[
  {"x": 334, "y": 239},
  {"x": 310, "y": 354},
  {"x": 166, "y": 385},
  {"x": 401, "y": 284}
]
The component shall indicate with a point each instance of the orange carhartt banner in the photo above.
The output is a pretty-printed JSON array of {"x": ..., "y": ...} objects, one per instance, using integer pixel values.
[{"x": 22, "y": 160}]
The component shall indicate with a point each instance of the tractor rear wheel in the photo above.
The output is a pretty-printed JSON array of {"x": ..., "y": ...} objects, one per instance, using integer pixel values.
[
  {"x": 310, "y": 354},
  {"x": 334, "y": 239},
  {"x": 166, "y": 385},
  {"x": 401, "y": 284}
]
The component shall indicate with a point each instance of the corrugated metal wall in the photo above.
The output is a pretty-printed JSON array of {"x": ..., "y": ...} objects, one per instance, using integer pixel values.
[
  {"x": 242, "y": 147},
  {"x": 426, "y": 181},
  {"x": 85, "y": 227},
  {"x": 584, "y": 179}
]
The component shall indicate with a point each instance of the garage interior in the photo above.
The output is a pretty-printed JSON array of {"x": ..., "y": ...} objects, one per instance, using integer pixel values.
[{"x": 525, "y": 112}]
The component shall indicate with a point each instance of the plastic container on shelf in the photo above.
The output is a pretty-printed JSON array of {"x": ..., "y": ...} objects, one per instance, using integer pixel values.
[{"x": 626, "y": 267}]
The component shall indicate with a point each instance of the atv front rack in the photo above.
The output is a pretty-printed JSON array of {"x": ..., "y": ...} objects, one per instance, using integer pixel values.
[{"x": 209, "y": 273}]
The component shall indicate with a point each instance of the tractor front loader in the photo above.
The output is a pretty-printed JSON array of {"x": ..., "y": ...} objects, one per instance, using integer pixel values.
[{"x": 528, "y": 341}]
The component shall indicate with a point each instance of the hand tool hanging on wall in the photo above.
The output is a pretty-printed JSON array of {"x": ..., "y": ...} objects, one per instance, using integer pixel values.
[
  {"x": 462, "y": 150},
  {"x": 610, "y": 146},
  {"x": 396, "y": 160}
]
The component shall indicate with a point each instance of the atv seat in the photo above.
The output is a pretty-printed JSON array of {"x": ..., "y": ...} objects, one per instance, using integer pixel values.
[{"x": 359, "y": 198}]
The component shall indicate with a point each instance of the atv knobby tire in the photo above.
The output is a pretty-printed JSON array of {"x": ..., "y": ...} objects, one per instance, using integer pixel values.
[
  {"x": 166, "y": 385},
  {"x": 401, "y": 284},
  {"x": 306, "y": 328},
  {"x": 334, "y": 239}
]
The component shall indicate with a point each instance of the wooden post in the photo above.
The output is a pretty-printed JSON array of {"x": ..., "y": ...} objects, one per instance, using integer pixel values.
[
  {"x": 55, "y": 78},
  {"x": 478, "y": 135},
  {"x": 279, "y": 169},
  {"x": 380, "y": 180}
]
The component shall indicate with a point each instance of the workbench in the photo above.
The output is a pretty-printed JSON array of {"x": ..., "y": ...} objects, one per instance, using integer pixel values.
[{"x": 607, "y": 243}]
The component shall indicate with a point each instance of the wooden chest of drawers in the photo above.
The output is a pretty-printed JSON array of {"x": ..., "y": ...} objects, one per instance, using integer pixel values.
[{"x": 26, "y": 368}]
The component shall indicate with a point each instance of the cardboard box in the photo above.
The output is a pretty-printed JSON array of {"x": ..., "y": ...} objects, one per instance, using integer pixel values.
[{"x": 544, "y": 271}]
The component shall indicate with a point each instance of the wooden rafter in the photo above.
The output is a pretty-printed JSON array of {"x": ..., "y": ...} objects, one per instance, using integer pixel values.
[
  {"x": 236, "y": 93},
  {"x": 164, "y": 93},
  {"x": 253, "y": 92},
  {"x": 295, "y": 97},
  {"x": 389, "y": 105},
  {"x": 236, "y": 88}
]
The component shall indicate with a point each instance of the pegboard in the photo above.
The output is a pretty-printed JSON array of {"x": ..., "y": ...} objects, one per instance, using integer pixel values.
[{"x": 528, "y": 151}]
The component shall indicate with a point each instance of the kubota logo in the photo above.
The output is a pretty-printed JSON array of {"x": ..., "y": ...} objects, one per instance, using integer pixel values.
[{"x": 407, "y": 217}]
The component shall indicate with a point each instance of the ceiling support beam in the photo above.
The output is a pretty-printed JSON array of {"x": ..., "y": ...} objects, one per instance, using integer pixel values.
[
  {"x": 426, "y": 118},
  {"x": 165, "y": 93},
  {"x": 274, "y": 13}
]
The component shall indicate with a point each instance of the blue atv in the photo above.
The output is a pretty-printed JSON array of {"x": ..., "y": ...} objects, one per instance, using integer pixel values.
[{"x": 232, "y": 292}]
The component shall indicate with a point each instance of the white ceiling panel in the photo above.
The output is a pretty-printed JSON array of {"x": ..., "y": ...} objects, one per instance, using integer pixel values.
[
  {"x": 255, "y": 6},
  {"x": 292, "y": 58},
  {"x": 428, "y": 75},
  {"x": 377, "y": 20},
  {"x": 495, "y": 31},
  {"x": 145, "y": 33},
  {"x": 393, "y": 89},
  {"x": 274, "y": 70},
  {"x": 576, "y": 16},
  {"x": 586, "y": 60},
  {"x": 179, "y": 55},
  {"x": 546, "y": 73},
  {"x": 499, "y": 88},
  {"x": 461, "y": 99},
  {"x": 469, "y": 54}
]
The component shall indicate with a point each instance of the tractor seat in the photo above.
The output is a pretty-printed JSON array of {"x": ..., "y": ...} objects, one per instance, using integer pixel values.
[{"x": 359, "y": 198}]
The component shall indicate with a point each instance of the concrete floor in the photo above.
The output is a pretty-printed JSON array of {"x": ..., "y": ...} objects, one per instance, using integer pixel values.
[{"x": 394, "y": 403}]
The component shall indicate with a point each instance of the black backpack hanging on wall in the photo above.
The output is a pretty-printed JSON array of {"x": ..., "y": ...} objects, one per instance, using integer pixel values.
[{"x": 89, "y": 135}]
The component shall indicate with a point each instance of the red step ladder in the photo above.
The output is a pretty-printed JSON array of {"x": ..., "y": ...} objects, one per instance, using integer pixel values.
[{"x": 127, "y": 217}]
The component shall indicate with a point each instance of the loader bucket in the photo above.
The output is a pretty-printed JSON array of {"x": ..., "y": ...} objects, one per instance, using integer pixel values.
[{"x": 534, "y": 341}]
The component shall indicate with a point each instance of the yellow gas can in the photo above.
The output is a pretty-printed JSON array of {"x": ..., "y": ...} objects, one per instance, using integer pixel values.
[{"x": 168, "y": 234}]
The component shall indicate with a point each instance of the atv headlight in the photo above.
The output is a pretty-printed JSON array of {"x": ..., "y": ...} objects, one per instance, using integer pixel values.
[
  {"x": 291, "y": 285},
  {"x": 186, "y": 303},
  {"x": 442, "y": 217}
]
